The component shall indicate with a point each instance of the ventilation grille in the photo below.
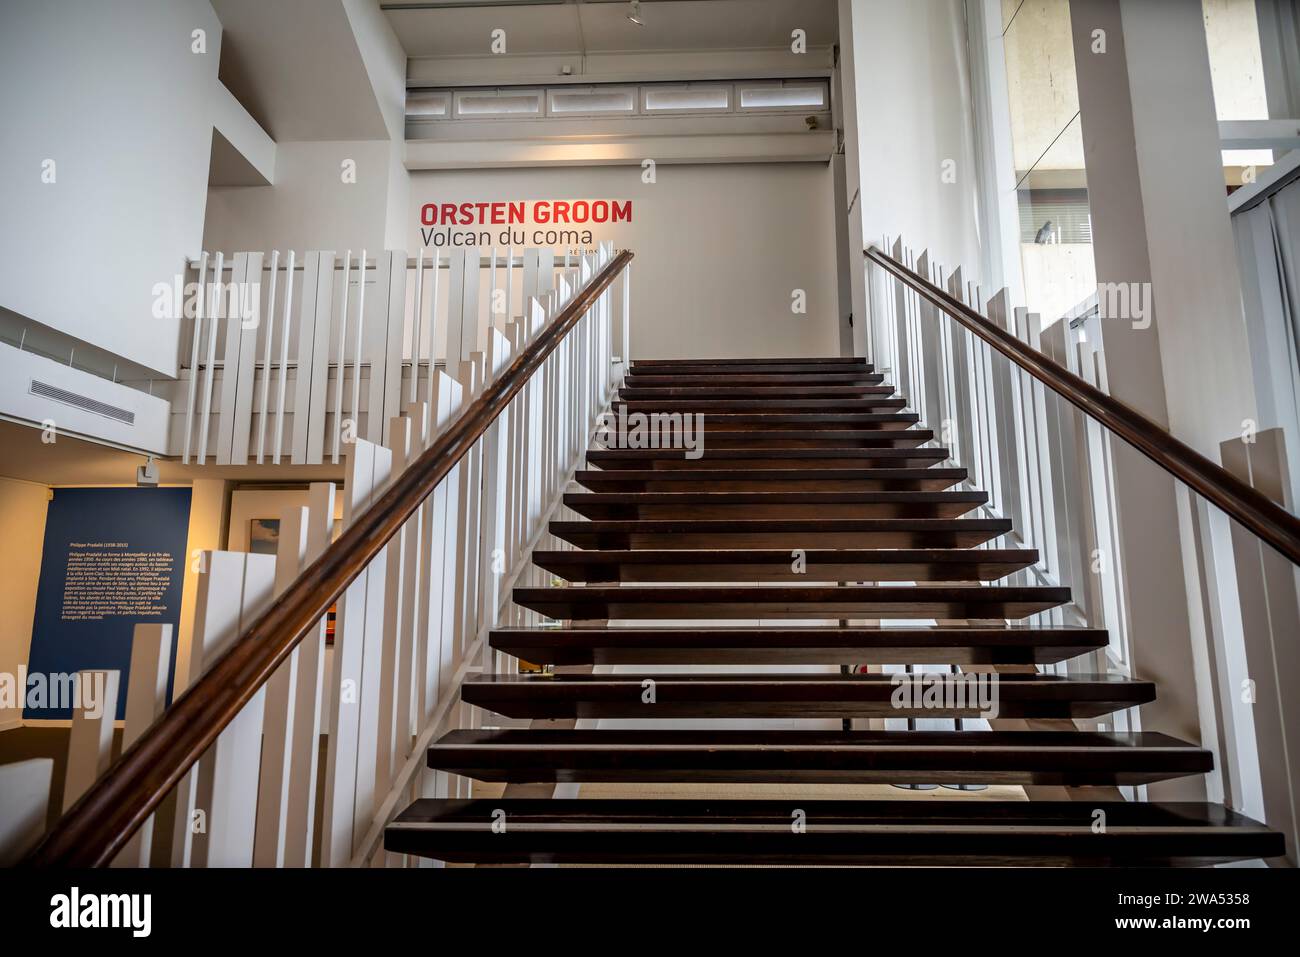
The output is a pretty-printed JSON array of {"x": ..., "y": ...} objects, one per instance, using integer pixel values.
[{"x": 47, "y": 391}]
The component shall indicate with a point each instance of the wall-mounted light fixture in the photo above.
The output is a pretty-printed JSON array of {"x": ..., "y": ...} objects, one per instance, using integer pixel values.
[{"x": 146, "y": 476}]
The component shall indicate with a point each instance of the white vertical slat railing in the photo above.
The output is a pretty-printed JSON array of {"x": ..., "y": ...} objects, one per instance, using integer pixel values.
[
  {"x": 1048, "y": 466},
  {"x": 286, "y": 356},
  {"x": 1018, "y": 441},
  {"x": 416, "y": 620}
]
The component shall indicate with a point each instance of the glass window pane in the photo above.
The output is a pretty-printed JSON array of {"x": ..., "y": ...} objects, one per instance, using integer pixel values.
[
  {"x": 1057, "y": 271},
  {"x": 703, "y": 98},
  {"x": 1041, "y": 87},
  {"x": 499, "y": 104},
  {"x": 1056, "y": 259},
  {"x": 1237, "y": 72},
  {"x": 1236, "y": 64},
  {"x": 782, "y": 97},
  {"x": 592, "y": 101},
  {"x": 1009, "y": 10},
  {"x": 426, "y": 103}
]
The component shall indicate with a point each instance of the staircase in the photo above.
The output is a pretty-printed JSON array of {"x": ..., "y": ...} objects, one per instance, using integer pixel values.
[{"x": 815, "y": 483}]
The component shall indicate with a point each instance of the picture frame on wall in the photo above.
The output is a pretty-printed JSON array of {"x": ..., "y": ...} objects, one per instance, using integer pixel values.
[{"x": 264, "y": 539}]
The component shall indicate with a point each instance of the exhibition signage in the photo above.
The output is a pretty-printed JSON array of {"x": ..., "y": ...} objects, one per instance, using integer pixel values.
[
  {"x": 534, "y": 222},
  {"x": 113, "y": 558}
]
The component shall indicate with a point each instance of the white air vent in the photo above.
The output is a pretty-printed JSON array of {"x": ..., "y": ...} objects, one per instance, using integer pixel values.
[{"x": 47, "y": 391}]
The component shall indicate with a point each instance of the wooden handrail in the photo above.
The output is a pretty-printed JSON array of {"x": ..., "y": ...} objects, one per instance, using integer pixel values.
[
  {"x": 1254, "y": 510},
  {"x": 95, "y": 828}
]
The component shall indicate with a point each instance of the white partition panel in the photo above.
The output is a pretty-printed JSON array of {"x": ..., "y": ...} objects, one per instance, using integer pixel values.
[
  {"x": 494, "y": 485},
  {"x": 385, "y": 337},
  {"x": 215, "y": 314},
  {"x": 353, "y": 692},
  {"x": 90, "y": 740},
  {"x": 313, "y": 359},
  {"x": 146, "y": 699},
  {"x": 231, "y": 792},
  {"x": 239, "y": 376},
  {"x": 371, "y": 679},
  {"x": 217, "y": 800},
  {"x": 305, "y": 735},
  {"x": 287, "y": 331},
  {"x": 394, "y": 660},
  {"x": 465, "y": 335},
  {"x": 280, "y": 712},
  {"x": 24, "y": 804}
]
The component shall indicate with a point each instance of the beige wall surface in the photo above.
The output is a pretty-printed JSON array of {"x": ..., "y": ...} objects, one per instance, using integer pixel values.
[
  {"x": 317, "y": 201},
  {"x": 720, "y": 249},
  {"x": 22, "y": 530}
]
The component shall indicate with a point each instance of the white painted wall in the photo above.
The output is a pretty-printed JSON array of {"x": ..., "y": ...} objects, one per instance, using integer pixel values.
[
  {"x": 719, "y": 249},
  {"x": 913, "y": 114},
  {"x": 311, "y": 206},
  {"x": 114, "y": 96},
  {"x": 384, "y": 60}
]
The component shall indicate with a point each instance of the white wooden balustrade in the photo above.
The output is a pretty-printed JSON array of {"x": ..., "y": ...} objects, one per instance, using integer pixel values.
[
  {"x": 1051, "y": 470},
  {"x": 415, "y": 621},
  {"x": 1018, "y": 441},
  {"x": 285, "y": 356}
]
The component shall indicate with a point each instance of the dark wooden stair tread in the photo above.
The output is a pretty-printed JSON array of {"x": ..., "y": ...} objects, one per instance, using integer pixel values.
[
  {"x": 883, "y": 398},
  {"x": 785, "y": 360},
  {"x": 804, "y": 695},
  {"x": 755, "y": 505},
  {"x": 713, "y": 390},
  {"x": 765, "y": 458},
  {"x": 1066, "y": 758},
  {"x": 776, "y": 479},
  {"x": 764, "y": 375},
  {"x": 796, "y": 371},
  {"x": 792, "y": 601},
  {"x": 813, "y": 479},
  {"x": 760, "y": 421},
  {"x": 777, "y": 564},
  {"x": 799, "y": 644},
  {"x": 782, "y": 533},
  {"x": 935, "y": 832},
  {"x": 756, "y": 439}
]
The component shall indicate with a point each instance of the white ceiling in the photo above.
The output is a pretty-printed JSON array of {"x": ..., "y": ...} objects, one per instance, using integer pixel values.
[{"x": 464, "y": 27}]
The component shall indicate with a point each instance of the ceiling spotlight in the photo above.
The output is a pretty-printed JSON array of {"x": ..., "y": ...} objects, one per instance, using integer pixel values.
[{"x": 635, "y": 15}]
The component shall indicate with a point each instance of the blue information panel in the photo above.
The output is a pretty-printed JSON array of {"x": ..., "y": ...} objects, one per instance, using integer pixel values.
[{"x": 114, "y": 557}]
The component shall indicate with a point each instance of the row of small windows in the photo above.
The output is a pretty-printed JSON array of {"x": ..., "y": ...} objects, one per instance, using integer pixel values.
[{"x": 780, "y": 96}]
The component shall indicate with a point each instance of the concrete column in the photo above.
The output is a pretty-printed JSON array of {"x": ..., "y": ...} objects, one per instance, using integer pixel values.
[
  {"x": 849, "y": 204},
  {"x": 1197, "y": 287},
  {"x": 845, "y": 260},
  {"x": 1279, "y": 44},
  {"x": 1178, "y": 353}
]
